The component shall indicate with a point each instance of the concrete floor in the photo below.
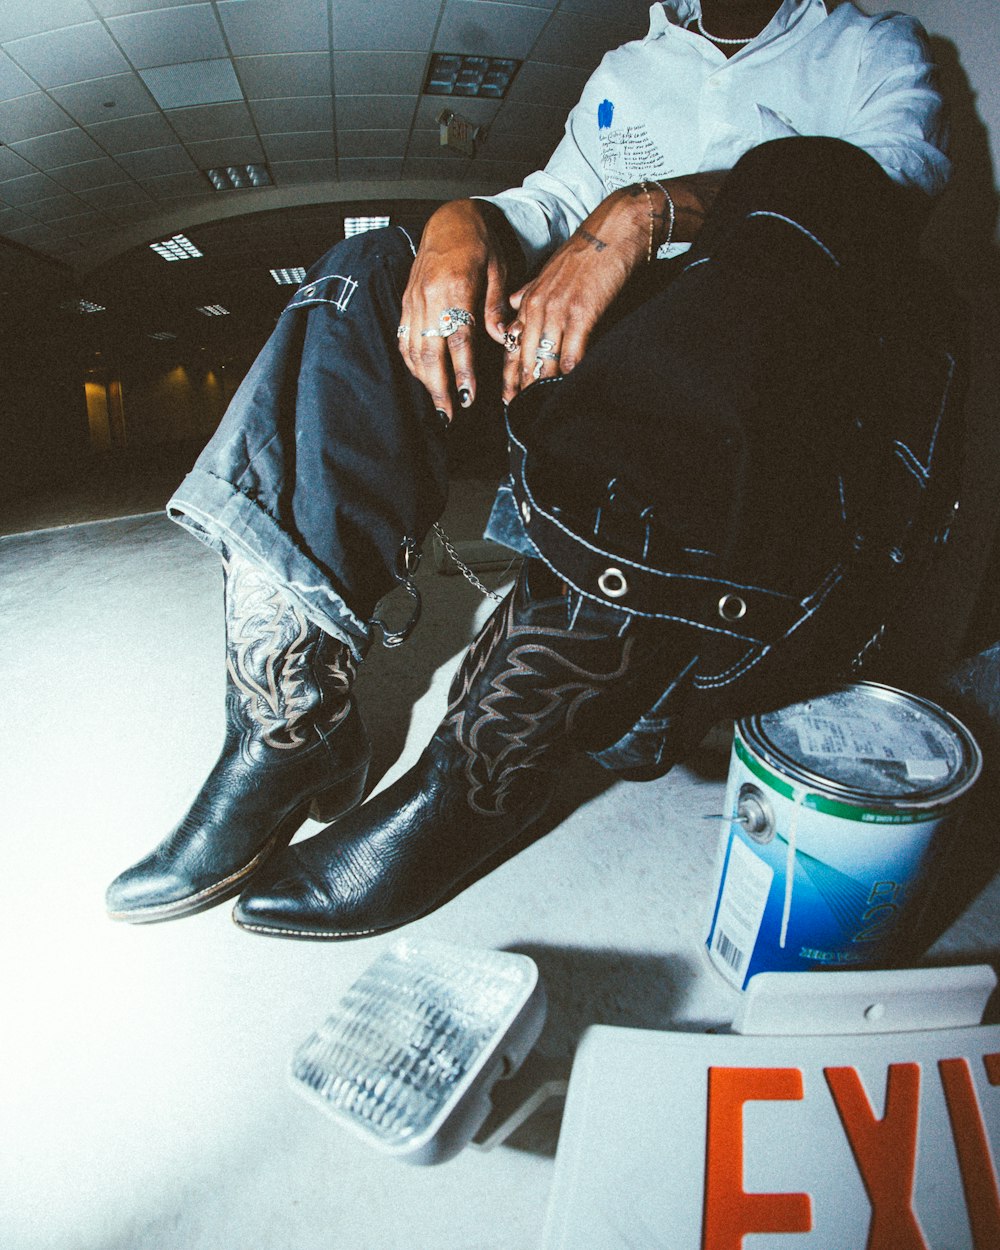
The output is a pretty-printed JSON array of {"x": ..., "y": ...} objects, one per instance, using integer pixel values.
[{"x": 144, "y": 1098}]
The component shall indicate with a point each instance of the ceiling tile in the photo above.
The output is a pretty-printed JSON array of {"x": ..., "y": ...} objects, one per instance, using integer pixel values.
[
  {"x": 582, "y": 41},
  {"x": 215, "y": 121},
  {"x": 73, "y": 54},
  {"x": 630, "y": 11},
  {"x": 557, "y": 86},
  {"x": 79, "y": 222},
  {"x": 534, "y": 147},
  {"x": 256, "y": 26},
  {"x": 287, "y": 173},
  {"x": 371, "y": 143},
  {"x": 29, "y": 116},
  {"x": 376, "y": 112},
  {"x": 19, "y": 18},
  {"x": 239, "y": 150},
  {"x": 87, "y": 174},
  {"x": 293, "y": 116},
  {"x": 67, "y": 147},
  {"x": 517, "y": 117},
  {"x": 18, "y": 192},
  {"x": 35, "y": 235},
  {"x": 371, "y": 169},
  {"x": 13, "y": 81},
  {"x": 314, "y": 145},
  {"x": 58, "y": 208},
  {"x": 437, "y": 168},
  {"x": 11, "y": 218},
  {"x": 427, "y": 143},
  {"x": 113, "y": 8},
  {"x": 289, "y": 74},
  {"x": 118, "y": 193},
  {"x": 361, "y": 25},
  {"x": 173, "y": 185},
  {"x": 132, "y": 134},
  {"x": 500, "y": 174},
  {"x": 483, "y": 28},
  {"x": 154, "y": 162},
  {"x": 378, "y": 73},
  {"x": 199, "y": 82},
  {"x": 169, "y": 36},
  {"x": 12, "y": 165},
  {"x": 103, "y": 99}
]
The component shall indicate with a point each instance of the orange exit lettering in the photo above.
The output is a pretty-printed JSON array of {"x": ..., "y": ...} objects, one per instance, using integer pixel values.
[{"x": 885, "y": 1151}]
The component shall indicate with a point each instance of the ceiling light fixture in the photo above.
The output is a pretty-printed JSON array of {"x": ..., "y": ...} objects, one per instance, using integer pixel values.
[
  {"x": 78, "y": 305},
  {"x": 213, "y": 310},
  {"x": 162, "y": 336},
  {"x": 452, "y": 73},
  {"x": 239, "y": 177},
  {"x": 288, "y": 277},
  {"x": 358, "y": 225},
  {"x": 176, "y": 248}
]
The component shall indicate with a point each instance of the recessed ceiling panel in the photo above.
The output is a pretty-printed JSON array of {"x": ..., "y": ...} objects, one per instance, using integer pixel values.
[
  {"x": 314, "y": 145},
  {"x": 30, "y": 115},
  {"x": 359, "y": 25},
  {"x": 256, "y": 26},
  {"x": 571, "y": 39},
  {"x": 557, "y": 86},
  {"x": 238, "y": 150},
  {"x": 66, "y": 147},
  {"x": 379, "y": 73},
  {"x": 73, "y": 54},
  {"x": 370, "y": 169},
  {"x": 293, "y": 116},
  {"x": 13, "y": 80},
  {"x": 154, "y": 162},
  {"x": 287, "y": 173},
  {"x": 376, "y": 112},
  {"x": 105, "y": 99},
  {"x": 200, "y": 82},
  {"x": 100, "y": 173},
  {"x": 288, "y": 74},
  {"x": 169, "y": 36},
  {"x": 19, "y": 17},
  {"x": 131, "y": 134},
  {"x": 383, "y": 143},
  {"x": 215, "y": 121},
  {"x": 18, "y": 192},
  {"x": 12, "y": 165},
  {"x": 482, "y": 28}
]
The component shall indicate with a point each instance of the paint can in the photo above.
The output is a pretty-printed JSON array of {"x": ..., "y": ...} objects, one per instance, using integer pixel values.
[{"x": 837, "y": 809}]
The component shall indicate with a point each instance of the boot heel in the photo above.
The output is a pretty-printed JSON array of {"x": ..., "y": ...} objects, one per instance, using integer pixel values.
[{"x": 340, "y": 798}]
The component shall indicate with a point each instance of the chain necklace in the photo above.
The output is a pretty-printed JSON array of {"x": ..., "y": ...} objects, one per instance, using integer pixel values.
[{"x": 735, "y": 43}]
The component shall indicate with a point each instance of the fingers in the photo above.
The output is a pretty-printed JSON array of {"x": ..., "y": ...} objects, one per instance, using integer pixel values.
[{"x": 438, "y": 349}]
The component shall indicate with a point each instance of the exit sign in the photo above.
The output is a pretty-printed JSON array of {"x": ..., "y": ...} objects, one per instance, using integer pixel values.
[{"x": 719, "y": 1142}]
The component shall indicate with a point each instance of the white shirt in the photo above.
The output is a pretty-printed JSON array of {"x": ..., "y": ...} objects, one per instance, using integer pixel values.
[{"x": 672, "y": 104}]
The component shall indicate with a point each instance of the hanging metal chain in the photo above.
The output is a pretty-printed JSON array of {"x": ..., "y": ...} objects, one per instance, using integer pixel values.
[{"x": 464, "y": 569}]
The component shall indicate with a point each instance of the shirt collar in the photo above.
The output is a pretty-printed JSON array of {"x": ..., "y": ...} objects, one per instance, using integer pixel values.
[{"x": 666, "y": 13}]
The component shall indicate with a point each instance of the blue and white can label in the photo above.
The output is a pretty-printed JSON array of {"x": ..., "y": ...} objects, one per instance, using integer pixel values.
[{"x": 836, "y": 810}]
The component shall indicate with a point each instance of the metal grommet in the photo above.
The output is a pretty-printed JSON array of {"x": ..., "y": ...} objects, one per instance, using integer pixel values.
[
  {"x": 308, "y": 290},
  {"x": 525, "y": 511},
  {"x": 612, "y": 583},
  {"x": 732, "y": 608}
]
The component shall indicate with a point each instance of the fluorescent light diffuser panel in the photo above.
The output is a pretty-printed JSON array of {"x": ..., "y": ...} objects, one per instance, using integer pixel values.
[
  {"x": 358, "y": 225},
  {"x": 239, "y": 177},
  {"x": 453, "y": 73},
  {"x": 176, "y": 248},
  {"x": 288, "y": 277},
  {"x": 81, "y": 306},
  {"x": 213, "y": 310}
]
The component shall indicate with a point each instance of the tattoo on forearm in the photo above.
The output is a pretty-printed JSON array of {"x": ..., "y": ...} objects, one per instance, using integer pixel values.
[{"x": 597, "y": 244}]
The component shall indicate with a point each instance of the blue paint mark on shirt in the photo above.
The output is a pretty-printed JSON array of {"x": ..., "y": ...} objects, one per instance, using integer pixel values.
[{"x": 605, "y": 112}]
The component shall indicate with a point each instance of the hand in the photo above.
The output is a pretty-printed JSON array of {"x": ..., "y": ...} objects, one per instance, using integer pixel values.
[
  {"x": 460, "y": 264},
  {"x": 558, "y": 310}
]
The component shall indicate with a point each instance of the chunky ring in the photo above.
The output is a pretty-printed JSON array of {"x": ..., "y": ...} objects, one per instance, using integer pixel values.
[
  {"x": 452, "y": 319},
  {"x": 402, "y": 332},
  {"x": 546, "y": 345},
  {"x": 430, "y": 334},
  {"x": 511, "y": 342}
]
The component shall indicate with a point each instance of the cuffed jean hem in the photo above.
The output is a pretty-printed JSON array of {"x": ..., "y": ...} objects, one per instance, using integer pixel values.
[{"x": 224, "y": 518}]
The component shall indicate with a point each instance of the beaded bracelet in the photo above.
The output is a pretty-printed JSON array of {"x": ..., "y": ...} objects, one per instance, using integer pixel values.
[{"x": 652, "y": 219}]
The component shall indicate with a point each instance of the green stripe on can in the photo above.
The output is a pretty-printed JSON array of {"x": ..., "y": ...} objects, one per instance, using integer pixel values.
[{"x": 832, "y": 807}]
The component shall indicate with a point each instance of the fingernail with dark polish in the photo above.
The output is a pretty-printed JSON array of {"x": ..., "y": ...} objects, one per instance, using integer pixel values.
[
  {"x": 443, "y": 415},
  {"x": 465, "y": 395}
]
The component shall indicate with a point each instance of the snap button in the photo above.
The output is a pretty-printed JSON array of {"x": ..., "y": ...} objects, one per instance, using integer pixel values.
[
  {"x": 525, "y": 511},
  {"x": 612, "y": 583},
  {"x": 732, "y": 608}
]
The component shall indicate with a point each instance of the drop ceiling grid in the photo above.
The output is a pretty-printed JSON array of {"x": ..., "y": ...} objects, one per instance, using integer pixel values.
[{"x": 75, "y": 168}]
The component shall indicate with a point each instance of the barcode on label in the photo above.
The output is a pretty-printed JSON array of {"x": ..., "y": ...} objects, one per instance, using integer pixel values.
[{"x": 729, "y": 951}]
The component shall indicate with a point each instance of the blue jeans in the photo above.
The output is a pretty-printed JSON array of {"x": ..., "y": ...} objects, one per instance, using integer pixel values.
[{"x": 778, "y": 423}]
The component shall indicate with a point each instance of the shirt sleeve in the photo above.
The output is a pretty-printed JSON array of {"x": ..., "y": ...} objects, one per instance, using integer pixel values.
[
  {"x": 550, "y": 204},
  {"x": 896, "y": 110}
]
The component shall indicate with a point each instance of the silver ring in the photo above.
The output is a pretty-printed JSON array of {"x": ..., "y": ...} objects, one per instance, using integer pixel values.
[
  {"x": 402, "y": 332},
  {"x": 511, "y": 342},
  {"x": 539, "y": 366},
  {"x": 452, "y": 319},
  {"x": 430, "y": 334},
  {"x": 540, "y": 355},
  {"x": 547, "y": 345}
]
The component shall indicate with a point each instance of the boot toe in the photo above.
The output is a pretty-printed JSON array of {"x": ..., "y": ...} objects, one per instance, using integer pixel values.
[
  {"x": 147, "y": 891},
  {"x": 290, "y": 904}
]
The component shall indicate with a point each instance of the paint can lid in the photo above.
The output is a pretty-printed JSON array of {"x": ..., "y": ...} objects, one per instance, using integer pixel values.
[{"x": 866, "y": 741}]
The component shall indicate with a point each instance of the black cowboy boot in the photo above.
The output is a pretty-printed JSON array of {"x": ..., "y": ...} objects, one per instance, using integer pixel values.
[
  {"x": 523, "y": 689},
  {"x": 294, "y": 747}
]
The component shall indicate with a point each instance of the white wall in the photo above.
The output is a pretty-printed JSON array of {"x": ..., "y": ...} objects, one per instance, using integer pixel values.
[{"x": 966, "y": 38}]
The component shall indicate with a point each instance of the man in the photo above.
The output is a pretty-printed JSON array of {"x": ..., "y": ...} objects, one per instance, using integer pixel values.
[{"x": 720, "y": 480}]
